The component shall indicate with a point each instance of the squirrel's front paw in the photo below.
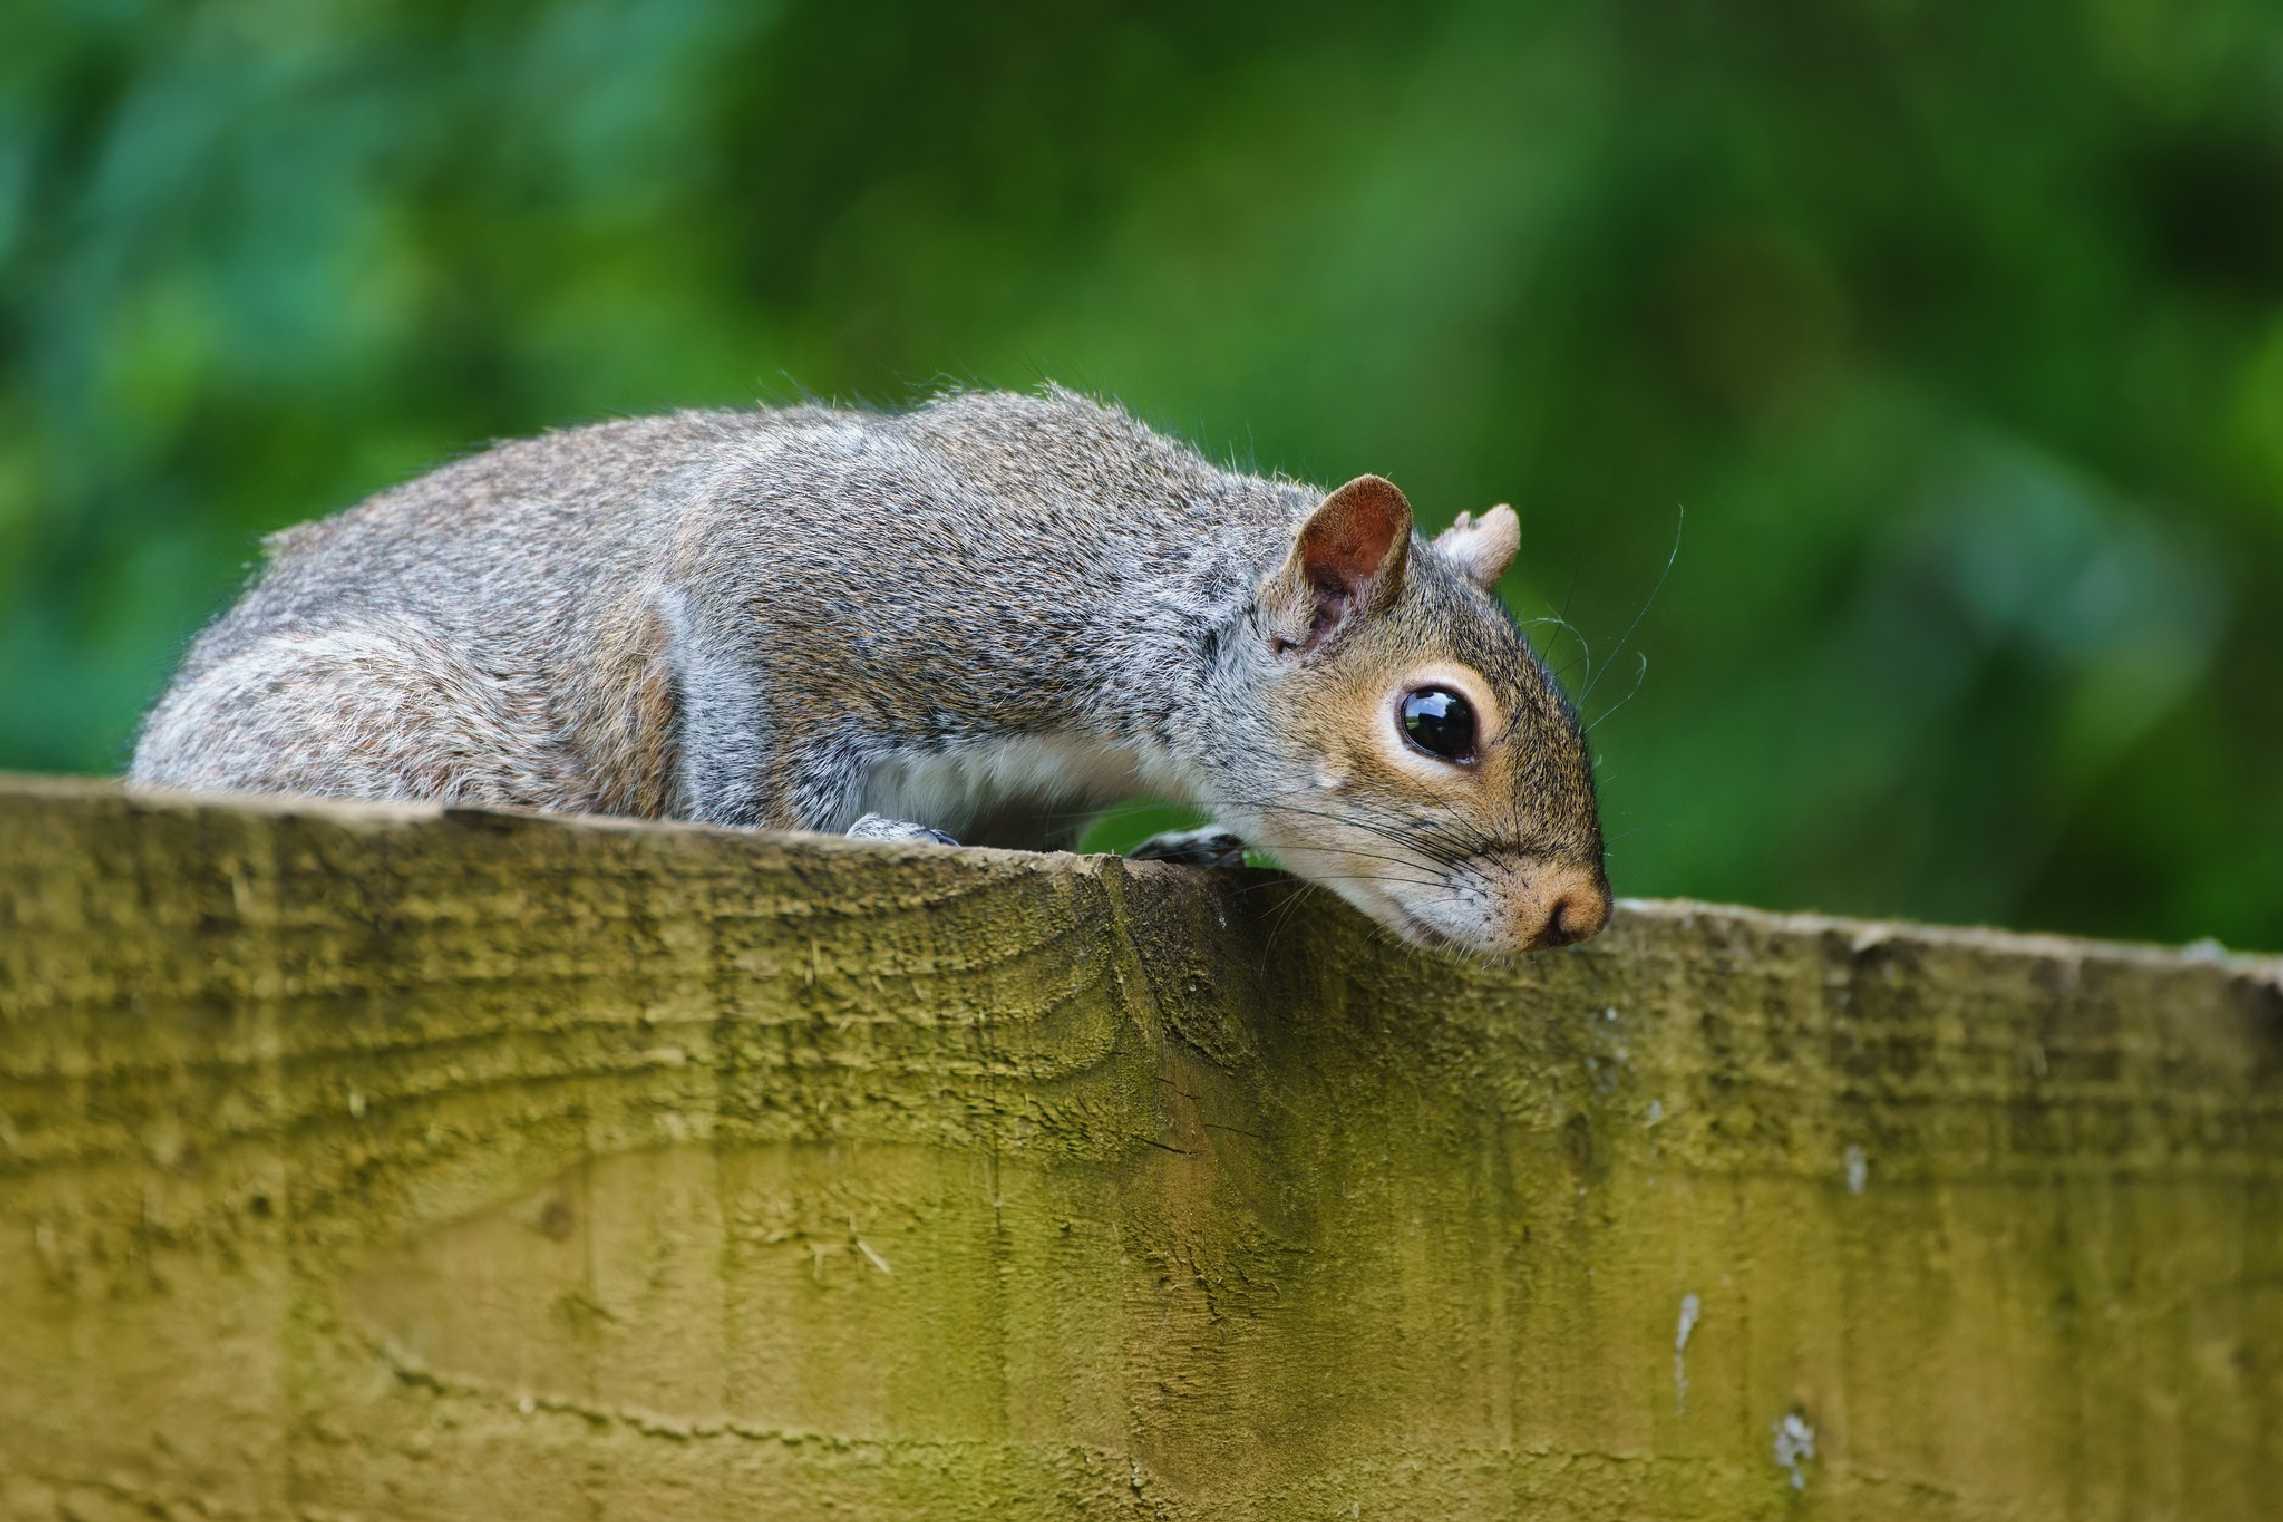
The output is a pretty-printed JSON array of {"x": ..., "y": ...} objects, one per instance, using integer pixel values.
[
  {"x": 881, "y": 827},
  {"x": 1207, "y": 847}
]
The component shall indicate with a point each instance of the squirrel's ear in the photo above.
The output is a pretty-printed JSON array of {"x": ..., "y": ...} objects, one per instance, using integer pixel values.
[
  {"x": 1482, "y": 547},
  {"x": 1346, "y": 561}
]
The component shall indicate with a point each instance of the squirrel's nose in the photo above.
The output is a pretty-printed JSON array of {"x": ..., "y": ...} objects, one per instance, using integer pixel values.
[{"x": 1562, "y": 905}]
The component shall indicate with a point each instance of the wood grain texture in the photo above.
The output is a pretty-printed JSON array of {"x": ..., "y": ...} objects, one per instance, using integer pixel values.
[{"x": 396, "y": 1163}]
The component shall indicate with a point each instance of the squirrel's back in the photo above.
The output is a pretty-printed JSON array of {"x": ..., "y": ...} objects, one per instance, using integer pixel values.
[
  {"x": 522, "y": 626},
  {"x": 463, "y": 548}
]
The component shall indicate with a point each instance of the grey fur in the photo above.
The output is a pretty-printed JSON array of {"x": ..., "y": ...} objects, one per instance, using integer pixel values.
[{"x": 791, "y": 618}]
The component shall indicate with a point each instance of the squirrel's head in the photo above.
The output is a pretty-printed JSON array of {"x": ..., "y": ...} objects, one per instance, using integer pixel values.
[{"x": 1418, "y": 760}]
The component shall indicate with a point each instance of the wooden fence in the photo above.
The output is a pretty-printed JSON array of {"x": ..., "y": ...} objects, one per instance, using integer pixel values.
[{"x": 406, "y": 1164}]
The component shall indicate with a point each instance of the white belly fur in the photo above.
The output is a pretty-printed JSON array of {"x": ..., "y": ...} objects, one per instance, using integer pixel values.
[{"x": 948, "y": 790}]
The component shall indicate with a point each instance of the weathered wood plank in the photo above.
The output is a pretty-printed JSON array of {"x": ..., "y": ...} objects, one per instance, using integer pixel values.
[{"x": 407, "y": 1164}]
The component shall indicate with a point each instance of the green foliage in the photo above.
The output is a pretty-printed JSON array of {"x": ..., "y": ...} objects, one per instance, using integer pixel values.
[{"x": 1955, "y": 330}]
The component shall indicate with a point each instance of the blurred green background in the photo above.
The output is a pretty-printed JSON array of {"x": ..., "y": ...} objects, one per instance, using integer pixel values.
[{"x": 1957, "y": 330}]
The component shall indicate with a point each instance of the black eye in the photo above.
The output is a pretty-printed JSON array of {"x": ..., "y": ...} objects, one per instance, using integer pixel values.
[{"x": 1439, "y": 722}]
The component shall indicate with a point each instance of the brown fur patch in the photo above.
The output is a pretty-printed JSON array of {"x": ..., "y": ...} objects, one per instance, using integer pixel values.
[{"x": 630, "y": 735}]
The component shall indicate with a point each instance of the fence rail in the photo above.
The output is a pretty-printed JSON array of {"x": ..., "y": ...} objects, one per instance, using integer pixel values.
[{"x": 407, "y": 1163}]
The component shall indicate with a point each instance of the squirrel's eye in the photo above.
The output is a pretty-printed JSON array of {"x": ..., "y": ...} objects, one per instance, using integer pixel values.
[{"x": 1439, "y": 722}]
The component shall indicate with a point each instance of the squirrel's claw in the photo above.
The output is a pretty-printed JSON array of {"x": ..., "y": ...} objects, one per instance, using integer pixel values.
[
  {"x": 881, "y": 827},
  {"x": 1207, "y": 847}
]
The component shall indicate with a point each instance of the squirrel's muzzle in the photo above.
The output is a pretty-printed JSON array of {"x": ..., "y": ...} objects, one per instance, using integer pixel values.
[{"x": 1560, "y": 905}]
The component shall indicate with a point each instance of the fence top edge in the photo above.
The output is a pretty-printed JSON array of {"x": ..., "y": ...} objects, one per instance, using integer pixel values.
[{"x": 105, "y": 794}]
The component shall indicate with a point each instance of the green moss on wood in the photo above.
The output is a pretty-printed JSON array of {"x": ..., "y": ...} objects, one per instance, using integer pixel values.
[{"x": 401, "y": 1163}]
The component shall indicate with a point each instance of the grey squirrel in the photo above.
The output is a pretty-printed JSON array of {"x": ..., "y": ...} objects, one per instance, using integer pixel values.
[{"x": 895, "y": 625}]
